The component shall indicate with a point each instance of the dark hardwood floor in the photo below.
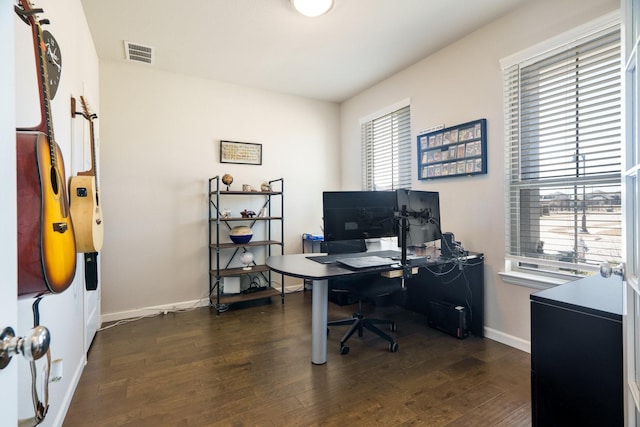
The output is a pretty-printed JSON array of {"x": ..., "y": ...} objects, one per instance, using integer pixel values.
[{"x": 252, "y": 367}]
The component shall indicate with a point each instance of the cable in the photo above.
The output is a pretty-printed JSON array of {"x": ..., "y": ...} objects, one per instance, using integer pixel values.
[{"x": 158, "y": 312}]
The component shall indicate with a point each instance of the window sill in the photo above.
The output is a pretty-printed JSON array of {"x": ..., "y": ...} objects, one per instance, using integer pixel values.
[{"x": 529, "y": 280}]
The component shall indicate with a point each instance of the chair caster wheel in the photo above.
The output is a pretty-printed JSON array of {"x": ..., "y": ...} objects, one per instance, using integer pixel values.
[
  {"x": 393, "y": 347},
  {"x": 393, "y": 327},
  {"x": 344, "y": 349}
]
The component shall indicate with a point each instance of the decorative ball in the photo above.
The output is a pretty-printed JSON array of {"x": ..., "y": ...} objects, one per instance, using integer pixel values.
[
  {"x": 241, "y": 234},
  {"x": 227, "y": 179},
  {"x": 246, "y": 258}
]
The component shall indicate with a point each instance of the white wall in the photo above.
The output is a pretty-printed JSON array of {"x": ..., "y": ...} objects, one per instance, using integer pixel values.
[
  {"x": 461, "y": 83},
  {"x": 160, "y": 136},
  {"x": 63, "y": 314}
]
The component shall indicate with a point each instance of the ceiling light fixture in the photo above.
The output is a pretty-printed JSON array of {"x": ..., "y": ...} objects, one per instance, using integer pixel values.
[{"x": 312, "y": 8}]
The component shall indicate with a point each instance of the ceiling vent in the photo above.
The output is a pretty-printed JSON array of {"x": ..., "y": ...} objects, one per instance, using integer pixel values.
[{"x": 138, "y": 53}]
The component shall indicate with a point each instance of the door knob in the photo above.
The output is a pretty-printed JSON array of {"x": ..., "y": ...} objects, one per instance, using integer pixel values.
[
  {"x": 32, "y": 346},
  {"x": 606, "y": 270}
]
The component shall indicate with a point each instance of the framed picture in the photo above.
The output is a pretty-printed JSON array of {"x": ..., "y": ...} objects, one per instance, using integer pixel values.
[
  {"x": 245, "y": 153},
  {"x": 454, "y": 151}
]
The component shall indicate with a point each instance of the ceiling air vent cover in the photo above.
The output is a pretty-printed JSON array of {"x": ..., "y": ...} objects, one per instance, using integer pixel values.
[{"x": 138, "y": 53}]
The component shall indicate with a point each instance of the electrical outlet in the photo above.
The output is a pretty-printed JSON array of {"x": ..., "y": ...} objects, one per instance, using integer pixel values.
[{"x": 56, "y": 371}]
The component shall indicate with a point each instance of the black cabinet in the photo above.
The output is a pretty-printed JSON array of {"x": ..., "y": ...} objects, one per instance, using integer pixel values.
[
  {"x": 458, "y": 281},
  {"x": 576, "y": 354}
]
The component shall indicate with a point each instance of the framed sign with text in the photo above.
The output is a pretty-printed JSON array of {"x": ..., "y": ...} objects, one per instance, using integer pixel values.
[
  {"x": 454, "y": 151},
  {"x": 240, "y": 152}
]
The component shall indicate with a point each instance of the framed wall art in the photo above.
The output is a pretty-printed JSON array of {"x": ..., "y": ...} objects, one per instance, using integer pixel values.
[
  {"x": 454, "y": 151},
  {"x": 245, "y": 153}
]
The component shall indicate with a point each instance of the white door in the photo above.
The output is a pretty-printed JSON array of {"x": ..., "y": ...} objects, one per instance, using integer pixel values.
[
  {"x": 8, "y": 245},
  {"x": 631, "y": 209}
]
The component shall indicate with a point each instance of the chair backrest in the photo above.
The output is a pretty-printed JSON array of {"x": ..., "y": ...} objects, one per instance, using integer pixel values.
[{"x": 344, "y": 246}]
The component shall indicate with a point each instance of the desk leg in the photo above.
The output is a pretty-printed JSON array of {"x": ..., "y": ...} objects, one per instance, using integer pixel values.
[{"x": 319, "y": 306}]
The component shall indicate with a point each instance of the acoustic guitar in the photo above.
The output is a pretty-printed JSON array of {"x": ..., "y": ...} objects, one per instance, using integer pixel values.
[
  {"x": 46, "y": 242},
  {"x": 85, "y": 200}
]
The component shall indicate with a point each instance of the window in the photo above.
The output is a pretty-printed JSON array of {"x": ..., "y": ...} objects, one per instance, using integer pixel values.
[
  {"x": 563, "y": 157},
  {"x": 386, "y": 151}
]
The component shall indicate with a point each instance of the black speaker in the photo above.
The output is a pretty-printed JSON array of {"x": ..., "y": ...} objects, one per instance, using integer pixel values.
[{"x": 91, "y": 270}]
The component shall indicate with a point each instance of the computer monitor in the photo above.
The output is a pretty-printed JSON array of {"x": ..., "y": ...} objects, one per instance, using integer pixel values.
[
  {"x": 351, "y": 215},
  {"x": 422, "y": 214}
]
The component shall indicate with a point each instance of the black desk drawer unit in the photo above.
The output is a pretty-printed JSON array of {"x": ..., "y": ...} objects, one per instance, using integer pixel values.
[
  {"x": 456, "y": 282},
  {"x": 576, "y": 354}
]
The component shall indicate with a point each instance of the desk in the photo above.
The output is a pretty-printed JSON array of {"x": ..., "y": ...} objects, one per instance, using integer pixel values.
[{"x": 298, "y": 265}]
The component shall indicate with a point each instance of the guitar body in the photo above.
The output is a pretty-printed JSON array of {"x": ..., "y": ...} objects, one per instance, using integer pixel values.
[
  {"x": 86, "y": 213},
  {"x": 46, "y": 242}
]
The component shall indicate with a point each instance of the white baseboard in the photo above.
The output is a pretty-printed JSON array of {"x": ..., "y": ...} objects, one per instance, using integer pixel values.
[
  {"x": 66, "y": 401},
  {"x": 509, "y": 340},
  {"x": 153, "y": 310},
  {"x": 293, "y": 288}
]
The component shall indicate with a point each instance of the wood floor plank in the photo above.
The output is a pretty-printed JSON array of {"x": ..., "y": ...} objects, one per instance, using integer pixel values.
[{"x": 252, "y": 367}]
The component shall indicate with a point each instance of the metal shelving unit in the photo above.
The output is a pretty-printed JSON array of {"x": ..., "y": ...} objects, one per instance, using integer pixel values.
[{"x": 218, "y": 246}]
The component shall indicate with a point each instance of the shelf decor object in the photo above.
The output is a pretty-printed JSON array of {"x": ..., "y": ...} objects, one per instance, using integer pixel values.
[
  {"x": 227, "y": 180},
  {"x": 240, "y": 234},
  {"x": 245, "y": 153},
  {"x": 247, "y": 259},
  {"x": 454, "y": 151}
]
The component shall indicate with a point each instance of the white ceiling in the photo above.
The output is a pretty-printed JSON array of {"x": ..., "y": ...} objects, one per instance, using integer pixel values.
[{"x": 266, "y": 44}]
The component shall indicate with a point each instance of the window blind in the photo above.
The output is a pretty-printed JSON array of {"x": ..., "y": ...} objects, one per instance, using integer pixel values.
[
  {"x": 386, "y": 151},
  {"x": 563, "y": 156}
]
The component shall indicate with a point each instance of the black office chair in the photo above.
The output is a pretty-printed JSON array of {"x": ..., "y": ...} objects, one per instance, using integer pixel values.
[{"x": 367, "y": 288}]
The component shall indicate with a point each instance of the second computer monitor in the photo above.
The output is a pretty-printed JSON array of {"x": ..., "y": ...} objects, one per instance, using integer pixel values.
[
  {"x": 422, "y": 214},
  {"x": 352, "y": 215}
]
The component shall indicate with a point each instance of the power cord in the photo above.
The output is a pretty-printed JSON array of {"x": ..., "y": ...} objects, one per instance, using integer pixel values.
[{"x": 158, "y": 312}]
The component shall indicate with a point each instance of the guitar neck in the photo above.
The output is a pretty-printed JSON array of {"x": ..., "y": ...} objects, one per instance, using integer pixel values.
[
  {"x": 90, "y": 117},
  {"x": 92, "y": 171},
  {"x": 46, "y": 124}
]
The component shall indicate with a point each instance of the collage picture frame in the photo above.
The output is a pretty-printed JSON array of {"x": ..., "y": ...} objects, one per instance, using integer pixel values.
[{"x": 459, "y": 150}]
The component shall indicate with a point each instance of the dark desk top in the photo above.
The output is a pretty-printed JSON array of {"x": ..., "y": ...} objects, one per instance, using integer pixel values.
[
  {"x": 594, "y": 295},
  {"x": 299, "y": 265}
]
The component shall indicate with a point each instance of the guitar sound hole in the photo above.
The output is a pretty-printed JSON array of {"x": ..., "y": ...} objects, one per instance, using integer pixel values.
[{"x": 54, "y": 181}]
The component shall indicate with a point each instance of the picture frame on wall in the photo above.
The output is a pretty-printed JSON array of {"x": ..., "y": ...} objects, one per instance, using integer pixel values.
[
  {"x": 246, "y": 153},
  {"x": 459, "y": 150}
]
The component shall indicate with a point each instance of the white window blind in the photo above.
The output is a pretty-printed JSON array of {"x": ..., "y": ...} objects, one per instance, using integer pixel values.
[
  {"x": 386, "y": 151},
  {"x": 563, "y": 156}
]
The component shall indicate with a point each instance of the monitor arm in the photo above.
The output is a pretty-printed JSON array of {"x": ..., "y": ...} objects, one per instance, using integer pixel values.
[{"x": 404, "y": 227}]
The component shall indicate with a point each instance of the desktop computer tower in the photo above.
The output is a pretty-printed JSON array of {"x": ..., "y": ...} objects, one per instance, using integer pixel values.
[{"x": 449, "y": 318}]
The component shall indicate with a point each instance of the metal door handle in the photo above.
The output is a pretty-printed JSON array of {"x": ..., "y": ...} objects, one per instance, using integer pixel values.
[
  {"x": 606, "y": 270},
  {"x": 32, "y": 346}
]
